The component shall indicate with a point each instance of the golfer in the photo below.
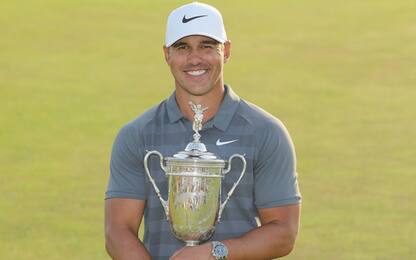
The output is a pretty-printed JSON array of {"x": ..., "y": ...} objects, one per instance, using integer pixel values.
[{"x": 261, "y": 219}]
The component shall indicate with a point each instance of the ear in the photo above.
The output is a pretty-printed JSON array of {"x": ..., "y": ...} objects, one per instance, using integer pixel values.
[
  {"x": 227, "y": 51},
  {"x": 166, "y": 53}
]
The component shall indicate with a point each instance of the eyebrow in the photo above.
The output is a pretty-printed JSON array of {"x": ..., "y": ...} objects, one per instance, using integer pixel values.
[
  {"x": 213, "y": 42},
  {"x": 177, "y": 44}
]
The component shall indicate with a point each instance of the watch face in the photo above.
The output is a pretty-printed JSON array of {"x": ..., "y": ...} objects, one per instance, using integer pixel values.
[{"x": 220, "y": 250}]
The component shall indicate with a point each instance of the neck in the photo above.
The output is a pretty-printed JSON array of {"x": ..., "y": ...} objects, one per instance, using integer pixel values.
[{"x": 211, "y": 100}]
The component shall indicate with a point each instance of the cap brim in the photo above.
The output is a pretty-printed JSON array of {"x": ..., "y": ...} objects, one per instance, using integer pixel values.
[{"x": 218, "y": 39}]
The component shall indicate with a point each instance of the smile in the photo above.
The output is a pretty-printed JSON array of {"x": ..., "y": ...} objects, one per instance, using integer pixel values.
[{"x": 196, "y": 72}]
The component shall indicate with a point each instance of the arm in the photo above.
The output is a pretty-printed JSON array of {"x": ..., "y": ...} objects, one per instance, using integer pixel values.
[
  {"x": 275, "y": 238},
  {"x": 122, "y": 222}
]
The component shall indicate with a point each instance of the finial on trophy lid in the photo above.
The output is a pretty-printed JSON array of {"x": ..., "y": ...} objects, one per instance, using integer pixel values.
[
  {"x": 198, "y": 117},
  {"x": 196, "y": 144},
  {"x": 196, "y": 149}
]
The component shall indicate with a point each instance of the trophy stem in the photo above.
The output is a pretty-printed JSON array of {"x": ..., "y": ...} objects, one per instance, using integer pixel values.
[{"x": 192, "y": 242}]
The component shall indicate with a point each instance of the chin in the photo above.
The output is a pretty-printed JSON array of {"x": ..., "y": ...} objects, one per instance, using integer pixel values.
[
  {"x": 198, "y": 92},
  {"x": 197, "y": 89}
]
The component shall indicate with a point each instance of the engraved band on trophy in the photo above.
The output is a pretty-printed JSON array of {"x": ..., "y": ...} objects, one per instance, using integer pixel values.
[{"x": 194, "y": 206}]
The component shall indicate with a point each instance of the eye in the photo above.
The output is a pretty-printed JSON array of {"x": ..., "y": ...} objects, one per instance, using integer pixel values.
[
  {"x": 207, "y": 46},
  {"x": 180, "y": 46}
]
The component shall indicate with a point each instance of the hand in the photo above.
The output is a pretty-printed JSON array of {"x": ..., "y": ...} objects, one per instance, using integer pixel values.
[{"x": 201, "y": 252}]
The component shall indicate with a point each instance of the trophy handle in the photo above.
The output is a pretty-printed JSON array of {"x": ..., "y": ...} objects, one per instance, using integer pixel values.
[
  {"x": 222, "y": 206},
  {"x": 146, "y": 168}
]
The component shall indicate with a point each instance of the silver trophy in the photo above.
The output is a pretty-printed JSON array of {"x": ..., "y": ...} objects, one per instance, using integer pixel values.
[{"x": 194, "y": 202}]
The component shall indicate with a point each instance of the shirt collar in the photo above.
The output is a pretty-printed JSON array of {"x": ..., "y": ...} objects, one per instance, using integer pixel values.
[
  {"x": 223, "y": 117},
  {"x": 174, "y": 113},
  {"x": 227, "y": 109}
]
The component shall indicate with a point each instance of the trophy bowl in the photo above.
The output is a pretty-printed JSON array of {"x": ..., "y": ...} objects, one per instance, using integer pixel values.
[{"x": 194, "y": 196}]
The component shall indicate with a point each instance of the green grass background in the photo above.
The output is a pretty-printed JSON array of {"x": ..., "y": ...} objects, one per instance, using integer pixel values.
[{"x": 340, "y": 74}]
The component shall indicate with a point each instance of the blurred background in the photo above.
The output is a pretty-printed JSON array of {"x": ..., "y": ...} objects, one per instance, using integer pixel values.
[{"x": 340, "y": 74}]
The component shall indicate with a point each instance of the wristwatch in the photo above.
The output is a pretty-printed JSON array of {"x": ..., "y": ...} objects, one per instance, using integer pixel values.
[{"x": 219, "y": 250}]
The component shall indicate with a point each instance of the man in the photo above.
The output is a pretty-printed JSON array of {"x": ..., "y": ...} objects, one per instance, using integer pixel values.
[{"x": 196, "y": 49}]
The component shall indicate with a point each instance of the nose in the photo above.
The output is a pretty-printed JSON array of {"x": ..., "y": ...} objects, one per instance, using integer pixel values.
[{"x": 194, "y": 57}]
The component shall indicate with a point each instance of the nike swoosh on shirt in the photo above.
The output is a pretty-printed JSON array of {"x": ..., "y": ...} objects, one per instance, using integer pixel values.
[
  {"x": 185, "y": 20},
  {"x": 219, "y": 143}
]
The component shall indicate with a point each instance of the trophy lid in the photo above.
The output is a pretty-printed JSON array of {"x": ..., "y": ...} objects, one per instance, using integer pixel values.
[
  {"x": 195, "y": 157},
  {"x": 195, "y": 150}
]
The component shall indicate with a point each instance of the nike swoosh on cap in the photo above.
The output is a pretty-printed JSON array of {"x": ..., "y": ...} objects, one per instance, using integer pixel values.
[
  {"x": 219, "y": 143},
  {"x": 185, "y": 20}
]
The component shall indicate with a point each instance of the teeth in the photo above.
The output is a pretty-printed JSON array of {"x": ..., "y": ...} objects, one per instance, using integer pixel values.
[{"x": 196, "y": 72}]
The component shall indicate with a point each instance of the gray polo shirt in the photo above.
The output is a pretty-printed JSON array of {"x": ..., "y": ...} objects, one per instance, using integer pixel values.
[{"x": 270, "y": 179}]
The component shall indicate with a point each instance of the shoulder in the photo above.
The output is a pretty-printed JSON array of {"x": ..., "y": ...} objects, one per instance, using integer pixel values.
[
  {"x": 146, "y": 118},
  {"x": 139, "y": 125},
  {"x": 273, "y": 142},
  {"x": 261, "y": 120},
  {"x": 270, "y": 134}
]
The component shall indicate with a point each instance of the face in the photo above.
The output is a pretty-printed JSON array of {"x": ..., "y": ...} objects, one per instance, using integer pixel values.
[{"x": 196, "y": 63}]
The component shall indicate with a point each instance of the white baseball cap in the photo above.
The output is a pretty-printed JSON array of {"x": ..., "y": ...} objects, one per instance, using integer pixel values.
[{"x": 195, "y": 19}]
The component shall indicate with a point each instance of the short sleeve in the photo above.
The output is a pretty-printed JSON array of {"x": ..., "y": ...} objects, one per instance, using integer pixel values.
[
  {"x": 275, "y": 182},
  {"x": 127, "y": 178}
]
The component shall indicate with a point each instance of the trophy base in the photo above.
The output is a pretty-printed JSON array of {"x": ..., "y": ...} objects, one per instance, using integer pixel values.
[{"x": 192, "y": 242}]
